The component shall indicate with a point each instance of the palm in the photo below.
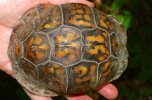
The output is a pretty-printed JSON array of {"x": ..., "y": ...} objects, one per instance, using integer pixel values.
[
  {"x": 7, "y": 21},
  {"x": 4, "y": 41},
  {"x": 10, "y": 12}
]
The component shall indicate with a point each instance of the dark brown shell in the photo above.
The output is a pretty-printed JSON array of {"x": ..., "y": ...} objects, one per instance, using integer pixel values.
[{"x": 71, "y": 48}]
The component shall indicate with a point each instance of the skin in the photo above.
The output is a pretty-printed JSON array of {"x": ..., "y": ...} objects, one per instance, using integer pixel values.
[{"x": 10, "y": 12}]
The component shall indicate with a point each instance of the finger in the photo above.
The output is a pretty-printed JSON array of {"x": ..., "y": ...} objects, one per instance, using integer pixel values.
[
  {"x": 109, "y": 91},
  {"x": 58, "y": 2},
  {"x": 37, "y": 97},
  {"x": 79, "y": 97}
]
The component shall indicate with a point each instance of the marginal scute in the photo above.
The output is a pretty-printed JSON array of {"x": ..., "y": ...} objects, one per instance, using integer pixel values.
[
  {"x": 25, "y": 26},
  {"x": 23, "y": 30},
  {"x": 114, "y": 45},
  {"x": 96, "y": 45},
  {"x": 29, "y": 16},
  {"x": 122, "y": 65},
  {"x": 82, "y": 76},
  {"x": 119, "y": 28},
  {"x": 18, "y": 49},
  {"x": 53, "y": 76},
  {"x": 117, "y": 44},
  {"x": 118, "y": 39},
  {"x": 28, "y": 68},
  {"x": 49, "y": 18},
  {"x": 106, "y": 71},
  {"x": 67, "y": 49},
  {"x": 37, "y": 48},
  {"x": 78, "y": 15},
  {"x": 103, "y": 21}
]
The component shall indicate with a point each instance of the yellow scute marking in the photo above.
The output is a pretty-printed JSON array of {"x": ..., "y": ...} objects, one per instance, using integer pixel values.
[
  {"x": 51, "y": 70},
  {"x": 81, "y": 68},
  {"x": 37, "y": 40},
  {"x": 60, "y": 54},
  {"x": 106, "y": 73},
  {"x": 51, "y": 25},
  {"x": 39, "y": 55},
  {"x": 80, "y": 11},
  {"x": 44, "y": 47},
  {"x": 93, "y": 72},
  {"x": 87, "y": 10},
  {"x": 95, "y": 38},
  {"x": 79, "y": 80},
  {"x": 41, "y": 47},
  {"x": 101, "y": 58},
  {"x": 87, "y": 17},
  {"x": 105, "y": 25},
  {"x": 68, "y": 38},
  {"x": 82, "y": 22},
  {"x": 73, "y": 12},
  {"x": 103, "y": 49},
  {"x": 77, "y": 16},
  {"x": 18, "y": 50},
  {"x": 106, "y": 69},
  {"x": 29, "y": 52},
  {"x": 105, "y": 34},
  {"x": 94, "y": 51},
  {"x": 72, "y": 57},
  {"x": 106, "y": 66}
]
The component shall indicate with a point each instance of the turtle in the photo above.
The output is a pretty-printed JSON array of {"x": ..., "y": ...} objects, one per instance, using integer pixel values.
[{"x": 67, "y": 49}]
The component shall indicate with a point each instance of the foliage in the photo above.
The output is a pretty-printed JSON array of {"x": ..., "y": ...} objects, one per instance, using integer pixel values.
[
  {"x": 135, "y": 84},
  {"x": 123, "y": 15}
]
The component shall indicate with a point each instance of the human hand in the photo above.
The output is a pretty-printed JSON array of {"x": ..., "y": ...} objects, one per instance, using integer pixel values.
[{"x": 10, "y": 12}]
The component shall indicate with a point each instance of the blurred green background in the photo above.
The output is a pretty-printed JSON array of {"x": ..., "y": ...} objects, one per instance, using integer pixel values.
[{"x": 136, "y": 81}]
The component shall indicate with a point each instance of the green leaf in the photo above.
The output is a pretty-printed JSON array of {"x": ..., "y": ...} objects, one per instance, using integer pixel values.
[
  {"x": 117, "y": 4},
  {"x": 125, "y": 18}
]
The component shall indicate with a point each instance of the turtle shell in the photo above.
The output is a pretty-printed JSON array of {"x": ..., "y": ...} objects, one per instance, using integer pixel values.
[{"x": 66, "y": 49}]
